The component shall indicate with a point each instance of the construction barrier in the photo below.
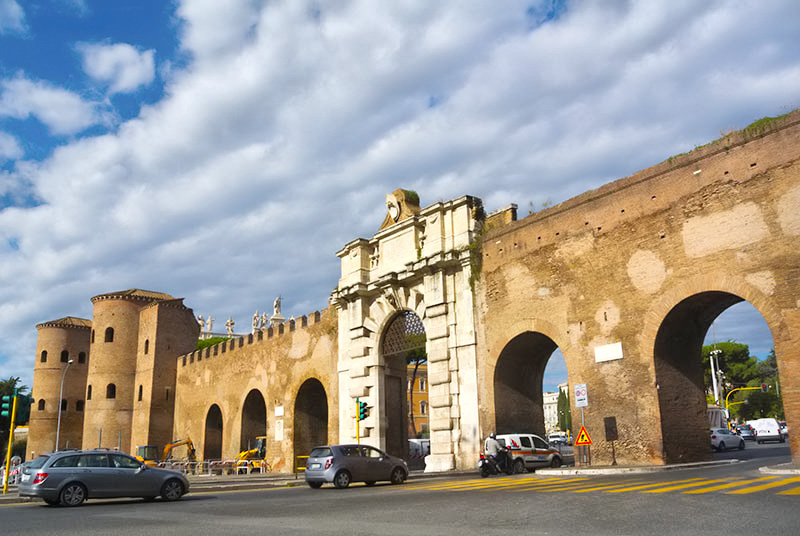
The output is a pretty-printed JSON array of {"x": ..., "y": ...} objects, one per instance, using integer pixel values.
[{"x": 299, "y": 468}]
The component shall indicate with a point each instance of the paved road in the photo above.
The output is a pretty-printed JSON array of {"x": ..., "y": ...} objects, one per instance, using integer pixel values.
[{"x": 725, "y": 499}]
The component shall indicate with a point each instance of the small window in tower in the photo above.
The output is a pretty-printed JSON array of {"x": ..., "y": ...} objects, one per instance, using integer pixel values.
[
  {"x": 63, "y": 405},
  {"x": 140, "y": 393},
  {"x": 146, "y": 346},
  {"x": 44, "y": 356},
  {"x": 82, "y": 357},
  {"x": 64, "y": 356},
  {"x": 79, "y": 405},
  {"x": 92, "y": 336},
  {"x": 89, "y": 393},
  {"x": 111, "y": 391},
  {"x": 166, "y": 394},
  {"x": 41, "y": 404},
  {"x": 109, "y": 334}
]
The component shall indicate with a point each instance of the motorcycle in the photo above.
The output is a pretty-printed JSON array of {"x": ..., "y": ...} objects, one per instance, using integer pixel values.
[{"x": 488, "y": 465}]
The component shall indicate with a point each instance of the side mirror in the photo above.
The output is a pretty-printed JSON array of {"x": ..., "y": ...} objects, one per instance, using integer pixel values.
[{"x": 141, "y": 468}]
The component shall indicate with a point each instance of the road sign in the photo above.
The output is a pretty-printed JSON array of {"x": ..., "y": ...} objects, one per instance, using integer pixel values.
[
  {"x": 581, "y": 399},
  {"x": 583, "y": 438}
]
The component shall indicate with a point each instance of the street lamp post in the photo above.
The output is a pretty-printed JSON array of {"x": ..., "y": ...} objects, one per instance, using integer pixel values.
[
  {"x": 713, "y": 357},
  {"x": 60, "y": 398}
]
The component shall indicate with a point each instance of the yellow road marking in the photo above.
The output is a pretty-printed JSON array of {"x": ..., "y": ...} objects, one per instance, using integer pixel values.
[
  {"x": 475, "y": 484},
  {"x": 762, "y": 487},
  {"x": 729, "y": 485},
  {"x": 684, "y": 486},
  {"x": 793, "y": 491},
  {"x": 609, "y": 486},
  {"x": 555, "y": 485},
  {"x": 645, "y": 486}
]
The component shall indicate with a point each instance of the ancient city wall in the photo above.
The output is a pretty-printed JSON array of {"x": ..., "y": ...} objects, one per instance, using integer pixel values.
[
  {"x": 275, "y": 365},
  {"x": 599, "y": 275}
]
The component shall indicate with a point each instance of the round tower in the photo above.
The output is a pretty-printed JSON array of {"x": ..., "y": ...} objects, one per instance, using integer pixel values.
[
  {"x": 62, "y": 354},
  {"x": 112, "y": 371}
]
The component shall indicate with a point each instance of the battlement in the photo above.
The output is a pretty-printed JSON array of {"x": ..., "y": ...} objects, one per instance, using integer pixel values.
[{"x": 274, "y": 331}]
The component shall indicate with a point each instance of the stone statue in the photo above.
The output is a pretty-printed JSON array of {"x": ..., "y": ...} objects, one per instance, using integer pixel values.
[
  {"x": 201, "y": 322},
  {"x": 229, "y": 325},
  {"x": 264, "y": 321},
  {"x": 255, "y": 322},
  {"x": 209, "y": 323},
  {"x": 276, "y": 307}
]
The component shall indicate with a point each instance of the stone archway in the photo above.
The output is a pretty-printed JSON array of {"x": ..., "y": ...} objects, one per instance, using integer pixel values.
[
  {"x": 212, "y": 440},
  {"x": 518, "y": 383},
  {"x": 310, "y": 417},
  {"x": 254, "y": 420},
  {"x": 403, "y": 343}
]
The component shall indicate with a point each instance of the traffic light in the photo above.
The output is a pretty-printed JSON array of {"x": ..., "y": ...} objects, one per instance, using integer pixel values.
[
  {"x": 5, "y": 406},
  {"x": 362, "y": 411},
  {"x": 764, "y": 388},
  {"x": 24, "y": 403}
]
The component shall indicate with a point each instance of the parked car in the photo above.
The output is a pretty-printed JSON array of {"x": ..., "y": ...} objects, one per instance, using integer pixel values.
[
  {"x": 557, "y": 438},
  {"x": 784, "y": 428},
  {"x": 343, "y": 464},
  {"x": 529, "y": 451},
  {"x": 767, "y": 429},
  {"x": 745, "y": 431},
  {"x": 722, "y": 438},
  {"x": 69, "y": 477}
]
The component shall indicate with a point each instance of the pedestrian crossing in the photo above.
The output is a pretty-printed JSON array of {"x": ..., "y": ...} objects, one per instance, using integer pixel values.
[{"x": 735, "y": 485}]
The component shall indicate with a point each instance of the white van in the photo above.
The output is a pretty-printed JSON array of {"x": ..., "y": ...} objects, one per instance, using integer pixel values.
[
  {"x": 529, "y": 451},
  {"x": 767, "y": 430}
]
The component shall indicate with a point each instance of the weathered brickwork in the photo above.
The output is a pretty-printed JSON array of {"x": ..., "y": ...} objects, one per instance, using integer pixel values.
[{"x": 649, "y": 261}]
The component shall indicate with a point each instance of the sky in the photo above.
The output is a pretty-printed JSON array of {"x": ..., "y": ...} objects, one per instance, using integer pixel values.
[{"x": 223, "y": 152}]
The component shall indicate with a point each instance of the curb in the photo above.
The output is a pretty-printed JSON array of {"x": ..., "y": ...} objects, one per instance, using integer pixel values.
[{"x": 783, "y": 469}]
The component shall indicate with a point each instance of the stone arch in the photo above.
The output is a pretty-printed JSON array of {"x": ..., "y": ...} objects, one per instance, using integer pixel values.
[
  {"x": 310, "y": 417},
  {"x": 212, "y": 436},
  {"x": 402, "y": 333},
  {"x": 254, "y": 419},
  {"x": 675, "y": 328}
]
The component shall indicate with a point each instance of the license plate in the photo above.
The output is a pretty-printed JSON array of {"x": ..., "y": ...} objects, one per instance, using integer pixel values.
[
  {"x": 25, "y": 478},
  {"x": 315, "y": 466}
]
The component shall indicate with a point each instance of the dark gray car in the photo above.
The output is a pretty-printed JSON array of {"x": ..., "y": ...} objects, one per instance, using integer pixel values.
[
  {"x": 72, "y": 476},
  {"x": 342, "y": 464}
]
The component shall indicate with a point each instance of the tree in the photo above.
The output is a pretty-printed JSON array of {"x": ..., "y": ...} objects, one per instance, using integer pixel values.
[
  {"x": 416, "y": 355},
  {"x": 735, "y": 362},
  {"x": 564, "y": 412},
  {"x": 7, "y": 388}
]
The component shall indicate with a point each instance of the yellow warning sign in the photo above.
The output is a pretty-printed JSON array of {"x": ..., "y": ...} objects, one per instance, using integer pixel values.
[{"x": 583, "y": 438}]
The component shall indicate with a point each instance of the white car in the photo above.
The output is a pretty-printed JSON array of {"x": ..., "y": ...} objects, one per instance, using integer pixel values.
[
  {"x": 722, "y": 438},
  {"x": 529, "y": 451},
  {"x": 767, "y": 429}
]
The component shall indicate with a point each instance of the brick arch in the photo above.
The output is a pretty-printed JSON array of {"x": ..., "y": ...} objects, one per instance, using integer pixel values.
[
  {"x": 674, "y": 330},
  {"x": 254, "y": 419},
  {"x": 213, "y": 432},
  {"x": 310, "y": 414},
  {"x": 514, "y": 375}
]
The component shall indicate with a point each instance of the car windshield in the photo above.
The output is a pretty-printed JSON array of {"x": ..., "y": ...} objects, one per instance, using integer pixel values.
[
  {"x": 39, "y": 462},
  {"x": 320, "y": 452}
]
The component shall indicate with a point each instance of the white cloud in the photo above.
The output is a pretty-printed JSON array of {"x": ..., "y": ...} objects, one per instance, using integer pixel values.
[
  {"x": 121, "y": 66},
  {"x": 12, "y": 17},
  {"x": 62, "y": 111},
  {"x": 276, "y": 145},
  {"x": 9, "y": 147}
]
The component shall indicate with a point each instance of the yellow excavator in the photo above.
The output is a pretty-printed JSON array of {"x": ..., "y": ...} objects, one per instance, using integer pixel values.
[
  {"x": 253, "y": 458},
  {"x": 149, "y": 453}
]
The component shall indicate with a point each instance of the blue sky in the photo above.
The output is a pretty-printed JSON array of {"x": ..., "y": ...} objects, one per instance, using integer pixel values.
[{"x": 224, "y": 151}]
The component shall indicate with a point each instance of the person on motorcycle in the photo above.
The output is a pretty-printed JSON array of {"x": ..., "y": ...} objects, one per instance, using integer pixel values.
[{"x": 493, "y": 448}]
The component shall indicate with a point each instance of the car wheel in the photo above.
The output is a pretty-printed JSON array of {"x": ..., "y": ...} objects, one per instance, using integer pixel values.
[
  {"x": 519, "y": 466},
  {"x": 398, "y": 475},
  {"x": 172, "y": 490},
  {"x": 721, "y": 446},
  {"x": 51, "y": 502},
  {"x": 342, "y": 479},
  {"x": 741, "y": 444},
  {"x": 485, "y": 470},
  {"x": 314, "y": 485},
  {"x": 556, "y": 462},
  {"x": 73, "y": 494}
]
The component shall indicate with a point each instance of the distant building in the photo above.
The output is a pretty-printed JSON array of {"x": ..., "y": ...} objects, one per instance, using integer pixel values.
[
  {"x": 419, "y": 402},
  {"x": 550, "y": 406}
]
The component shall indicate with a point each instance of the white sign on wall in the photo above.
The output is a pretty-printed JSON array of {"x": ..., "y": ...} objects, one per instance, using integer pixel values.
[
  {"x": 279, "y": 411},
  {"x": 279, "y": 430},
  {"x": 581, "y": 398},
  {"x": 608, "y": 352}
]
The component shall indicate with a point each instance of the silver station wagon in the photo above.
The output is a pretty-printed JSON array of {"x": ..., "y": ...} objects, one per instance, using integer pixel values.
[
  {"x": 69, "y": 477},
  {"x": 343, "y": 464}
]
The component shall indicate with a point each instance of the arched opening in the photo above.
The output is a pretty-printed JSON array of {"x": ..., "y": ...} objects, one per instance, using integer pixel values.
[
  {"x": 518, "y": 376},
  {"x": 89, "y": 393},
  {"x": 405, "y": 362},
  {"x": 109, "y": 335},
  {"x": 44, "y": 356},
  {"x": 254, "y": 420},
  {"x": 64, "y": 356},
  {"x": 684, "y": 395},
  {"x": 111, "y": 391},
  {"x": 212, "y": 439},
  {"x": 41, "y": 404},
  {"x": 310, "y": 417},
  {"x": 82, "y": 357}
]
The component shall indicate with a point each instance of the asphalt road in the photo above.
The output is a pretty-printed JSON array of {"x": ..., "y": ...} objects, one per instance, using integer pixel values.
[{"x": 720, "y": 500}]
